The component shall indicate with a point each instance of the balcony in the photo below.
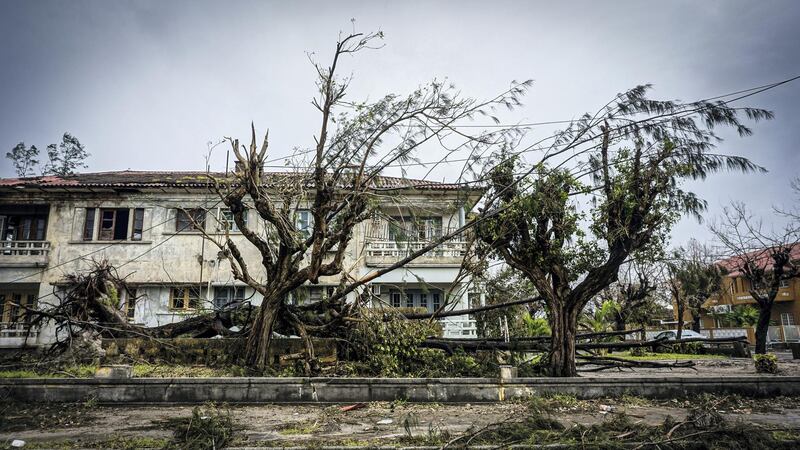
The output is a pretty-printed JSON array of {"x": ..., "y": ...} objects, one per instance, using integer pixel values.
[
  {"x": 385, "y": 247},
  {"x": 24, "y": 253}
]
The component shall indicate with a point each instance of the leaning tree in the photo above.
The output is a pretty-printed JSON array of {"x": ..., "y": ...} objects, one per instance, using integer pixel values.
[
  {"x": 765, "y": 257},
  {"x": 569, "y": 237},
  {"x": 339, "y": 185}
]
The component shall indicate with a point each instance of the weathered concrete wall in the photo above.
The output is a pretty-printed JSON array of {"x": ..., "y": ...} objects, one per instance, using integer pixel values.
[
  {"x": 207, "y": 352},
  {"x": 336, "y": 390}
]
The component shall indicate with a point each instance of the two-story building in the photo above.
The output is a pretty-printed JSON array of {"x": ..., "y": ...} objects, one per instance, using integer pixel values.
[
  {"x": 144, "y": 224},
  {"x": 735, "y": 292}
]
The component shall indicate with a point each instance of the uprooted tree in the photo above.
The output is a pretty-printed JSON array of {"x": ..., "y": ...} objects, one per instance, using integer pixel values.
[
  {"x": 636, "y": 151},
  {"x": 354, "y": 144}
]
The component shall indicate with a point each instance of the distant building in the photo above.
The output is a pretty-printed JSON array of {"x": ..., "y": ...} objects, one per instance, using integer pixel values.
[{"x": 139, "y": 221}]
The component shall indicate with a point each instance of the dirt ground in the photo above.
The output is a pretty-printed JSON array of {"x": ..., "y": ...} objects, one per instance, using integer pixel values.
[{"x": 92, "y": 426}]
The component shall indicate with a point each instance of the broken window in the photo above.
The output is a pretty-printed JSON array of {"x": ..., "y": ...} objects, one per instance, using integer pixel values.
[
  {"x": 113, "y": 224},
  {"x": 88, "y": 224},
  {"x": 190, "y": 220},
  {"x": 138, "y": 224},
  {"x": 185, "y": 298}
]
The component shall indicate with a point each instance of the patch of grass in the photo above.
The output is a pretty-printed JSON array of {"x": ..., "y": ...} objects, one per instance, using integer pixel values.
[
  {"x": 173, "y": 371},
  {"x": 292, "y": 429},
  {"x": 76, "y": 371}
]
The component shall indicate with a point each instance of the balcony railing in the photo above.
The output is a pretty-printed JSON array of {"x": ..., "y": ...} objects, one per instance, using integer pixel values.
[
  {"x": 24, "y": 253},
  {"x": 16, "y": 330},
  {"x": 385, "y": 246}
]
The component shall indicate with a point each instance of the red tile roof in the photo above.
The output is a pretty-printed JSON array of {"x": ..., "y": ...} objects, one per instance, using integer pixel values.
[
  {"x": 760, "y": 257},
  {"x": 144, "y": 179}
]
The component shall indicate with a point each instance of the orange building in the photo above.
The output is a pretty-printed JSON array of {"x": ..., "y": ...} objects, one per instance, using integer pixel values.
[{"x": 736, "y": 292}]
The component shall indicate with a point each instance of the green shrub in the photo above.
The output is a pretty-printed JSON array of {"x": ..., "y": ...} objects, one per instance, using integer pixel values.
[
  {"x": 689, "y": 348},
  {"x": 389, "y": 345},
  {"x": 766, "y": 363},
  {"x": 638, "y": 351}
]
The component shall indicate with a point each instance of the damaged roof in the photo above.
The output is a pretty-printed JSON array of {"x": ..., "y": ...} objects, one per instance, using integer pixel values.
[{"x": 195, "y": 179}]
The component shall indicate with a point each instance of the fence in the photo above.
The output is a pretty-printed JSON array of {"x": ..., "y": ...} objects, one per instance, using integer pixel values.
[{"x": 784, "y": 333}]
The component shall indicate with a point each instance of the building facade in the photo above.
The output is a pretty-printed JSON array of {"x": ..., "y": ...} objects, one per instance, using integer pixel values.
[
  {"x": 144, "y": 223},
  {"x": 735, "y": 293}
]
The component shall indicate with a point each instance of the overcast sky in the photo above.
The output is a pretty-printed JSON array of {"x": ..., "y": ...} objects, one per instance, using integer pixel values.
[{"x": 146, "y": 84}]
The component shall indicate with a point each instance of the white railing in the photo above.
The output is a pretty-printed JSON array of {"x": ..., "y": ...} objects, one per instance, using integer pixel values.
[
  {"x": 387, "y": 249},
  {"x": 724, "y": 332},
  {"x": 16, "y": 330},
  {"x": 24, "y": 252}
]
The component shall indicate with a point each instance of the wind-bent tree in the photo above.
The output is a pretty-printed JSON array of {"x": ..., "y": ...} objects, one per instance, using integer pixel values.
[
  {"x": 697, "y": 278},
  {"x": 765, "y": 258},
  {"x": 24, "y": 159},
  {"x": 66, "y": 157},
  {"x": 637, "y": 152},
  {"x": 354, "y": 144}
]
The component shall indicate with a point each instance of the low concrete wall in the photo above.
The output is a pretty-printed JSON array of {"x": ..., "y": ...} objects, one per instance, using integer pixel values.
[{"x": 339, "y": 390}]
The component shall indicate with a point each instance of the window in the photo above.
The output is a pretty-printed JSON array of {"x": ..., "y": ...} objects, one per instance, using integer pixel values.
[
  {"x": 414, "y": 228},
  {"x": 185, "y": 298},
  {"x": 784, "y": 283},
  {"x": 228, "y": 296},
  {"x": 138, "y": 224},
  {"x": 113, "y": 224},
  {"x": 88, "y": 224},
  {"x": 130, "y": 305},
  {"x": 395, "y": 299},
  {"x": 12, "y": 306},
  {"x": 227, "y": 222},
  {"x": 423, "y": 301},
  {"x": 409, "y": 300},
  {"x": 474, "y": 299},
  {"x": 190, "y": 220},
  {"x": 304, "y": 222},
  {"x": 437, "y": 301},
  {"x": 787, "y": 319}
]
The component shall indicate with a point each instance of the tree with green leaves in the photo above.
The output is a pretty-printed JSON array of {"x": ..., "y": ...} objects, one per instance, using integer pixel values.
[
  {"x": 570, "y": 237},
  {"x": 698, "y": 278},
  {"x": 24, "y": 159},
  {"x": 66, "y": 157}
]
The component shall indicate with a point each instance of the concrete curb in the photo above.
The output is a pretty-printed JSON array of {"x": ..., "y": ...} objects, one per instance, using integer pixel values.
[{"x": 350, "y": 390}]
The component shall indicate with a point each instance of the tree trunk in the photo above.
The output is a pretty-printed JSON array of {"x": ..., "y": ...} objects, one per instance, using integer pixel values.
[
  {"x": 696, "y": 323},
  {"x": 564, "y": 328},
  {"x": 762, "y": 327},
  {"x": 681, "y": 310},
  {"x": 257, "y": 352}
]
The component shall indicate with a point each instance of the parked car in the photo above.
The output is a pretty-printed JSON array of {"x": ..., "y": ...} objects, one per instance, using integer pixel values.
[{"x": 671, "y": 335}]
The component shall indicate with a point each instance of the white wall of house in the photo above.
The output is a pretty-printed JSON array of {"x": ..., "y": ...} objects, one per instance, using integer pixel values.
[{"x": 164, "y": 258}]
